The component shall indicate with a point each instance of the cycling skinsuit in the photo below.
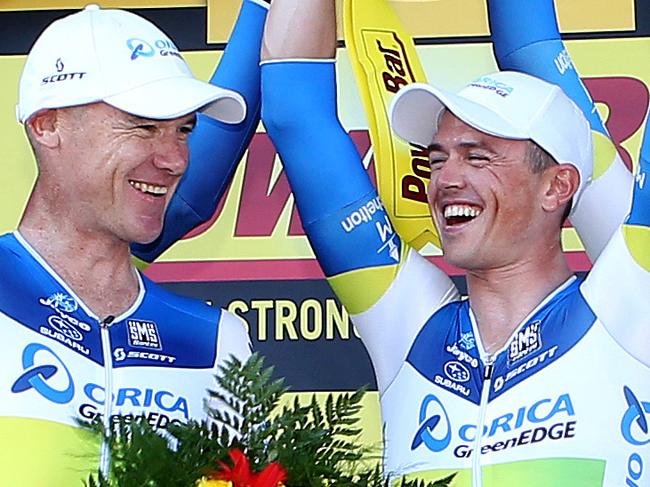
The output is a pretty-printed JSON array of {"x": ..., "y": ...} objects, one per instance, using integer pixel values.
[
  {"x": 565, "y": 402},
  {"x": 60, "y": 364}
]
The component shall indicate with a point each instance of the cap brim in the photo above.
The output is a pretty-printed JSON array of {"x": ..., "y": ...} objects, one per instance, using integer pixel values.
[
  {"x": 415, "y": 111},
  {"x": 175, "y": 97}
]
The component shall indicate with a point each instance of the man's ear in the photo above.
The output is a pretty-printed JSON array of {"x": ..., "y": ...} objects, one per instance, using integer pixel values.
[
  {"x": 563, "y": 181},
  {"x": 43, "y": 128}
]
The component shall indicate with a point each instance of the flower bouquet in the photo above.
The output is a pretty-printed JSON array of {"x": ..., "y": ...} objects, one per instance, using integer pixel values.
[{"x": 252, "y": 442}]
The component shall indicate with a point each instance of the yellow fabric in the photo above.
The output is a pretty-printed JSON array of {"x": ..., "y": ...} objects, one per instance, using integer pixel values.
[
  {"x": 358, "y": 290},
  {"x": 139, "y": 263},
  {"x": 384, "y": 59},
  {"x": 40, "y": 453},
  {"x": 604, "y": 153},
  {"x": 213, "y": 483},
  {"x": 637, "y": 239}
]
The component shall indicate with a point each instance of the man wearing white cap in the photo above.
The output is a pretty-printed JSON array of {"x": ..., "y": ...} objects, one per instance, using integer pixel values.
[
  {"x": 108, "y": 104},
  {"x": 539, "y": 378}
]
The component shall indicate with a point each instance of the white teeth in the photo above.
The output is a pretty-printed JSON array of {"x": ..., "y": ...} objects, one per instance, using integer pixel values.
[
  {"x": 461, "y": 210},
  {"x": 148, "y": 188}
]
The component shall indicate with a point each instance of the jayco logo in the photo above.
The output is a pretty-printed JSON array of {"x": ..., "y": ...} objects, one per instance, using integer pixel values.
[
  {"x": 63, "y": 326},
  {"x": 60, "y": 301}
]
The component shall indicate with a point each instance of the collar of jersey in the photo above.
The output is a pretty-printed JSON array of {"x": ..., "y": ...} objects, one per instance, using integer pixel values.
[
  {"x": 564, "y": 288},
  {"x": 33, "y": 254}
]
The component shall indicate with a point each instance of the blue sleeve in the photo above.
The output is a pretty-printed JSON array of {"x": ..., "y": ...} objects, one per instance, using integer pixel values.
[
  {"x": 526, "y": 38},
  {"x": 216, "y": 147},
  {"x": 343, "y": 217},
  {"x": 640, "y": 212}
]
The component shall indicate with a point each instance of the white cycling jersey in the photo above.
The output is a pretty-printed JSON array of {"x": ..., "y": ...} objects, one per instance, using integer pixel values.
[
  {"x": 565, "y": 402},
  {"x": 61, "y": 363}
]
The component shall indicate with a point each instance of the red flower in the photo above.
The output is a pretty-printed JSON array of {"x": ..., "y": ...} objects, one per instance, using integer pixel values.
[
  {"x": 272, "y": 476},
  {"x": 240, "y": 473}
]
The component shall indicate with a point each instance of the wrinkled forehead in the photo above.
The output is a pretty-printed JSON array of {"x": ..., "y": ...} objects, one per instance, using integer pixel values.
[
  {"x": 450, "y": 125},
  {"x": 102, "y": 111}
]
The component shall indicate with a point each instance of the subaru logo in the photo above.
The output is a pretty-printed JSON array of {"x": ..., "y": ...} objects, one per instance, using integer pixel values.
[
  {"x": 37, "y": 376},
  {"x": 456, "y": 371},
  {"x": 636, "y": 414},
  {"x": 429, "y": 423},
  {"x": 139, "y": 48},
  {"x": 65, "y": 328}
]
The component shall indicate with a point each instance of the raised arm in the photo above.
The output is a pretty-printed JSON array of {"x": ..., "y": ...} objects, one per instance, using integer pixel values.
[
  {"x": 618, "y": 286},
  {"x": 526, "y": 38},
  {"x": 216, "y": 147},
  {"x": 374, "y": 274}
]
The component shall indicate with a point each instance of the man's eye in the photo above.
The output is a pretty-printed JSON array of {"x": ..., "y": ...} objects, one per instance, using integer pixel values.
[
  {"x": 436, "y": 163},
  {"x": 146, "y": 127},
  {"x": 478, "y": 158},
  {"x": 186, "y": 129}
]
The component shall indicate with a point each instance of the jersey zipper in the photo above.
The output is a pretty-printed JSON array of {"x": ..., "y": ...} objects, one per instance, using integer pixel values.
[
  {"x": 477, "y": 476},
  {"x": 105, "y": 454}
]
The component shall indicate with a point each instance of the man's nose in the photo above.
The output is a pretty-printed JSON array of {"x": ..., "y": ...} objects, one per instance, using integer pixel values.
[
  {"x": 451, "y": 174},
  {"x": 171, "y": 154}
]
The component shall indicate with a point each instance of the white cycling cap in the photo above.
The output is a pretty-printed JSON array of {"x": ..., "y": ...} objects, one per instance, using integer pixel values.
[
  {"x": 121, "y": 59},
  {"x": 506, "y": 104}
]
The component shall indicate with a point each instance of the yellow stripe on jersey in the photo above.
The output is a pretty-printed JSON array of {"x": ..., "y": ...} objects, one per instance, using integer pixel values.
[
  {"x": 604, "y": 153},
  {"x": 41, "y": 453},
  {"x": 360, "y": 289},
  {"x": 139, "y": 263},
  {"x": 384, "y": 59},
  {"x": 576, "y": 472},
  {"x": 637, "y": 239}
]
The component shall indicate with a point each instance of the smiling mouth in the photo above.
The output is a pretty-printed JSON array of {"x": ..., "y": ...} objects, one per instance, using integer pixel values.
[
  {"x": 460, "y": 214},
  {"x": 147, "y": 188}
]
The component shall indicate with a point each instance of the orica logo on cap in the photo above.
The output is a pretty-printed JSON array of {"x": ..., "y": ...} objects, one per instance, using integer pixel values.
[
  {"x": 487, "y": 83},
  {"x": 140, "y": 48}
]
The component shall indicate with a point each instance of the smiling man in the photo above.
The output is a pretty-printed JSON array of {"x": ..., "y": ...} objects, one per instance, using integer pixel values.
[
  {"x": 108, "y": 105},
  {"x": 540, "y": 377}
]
